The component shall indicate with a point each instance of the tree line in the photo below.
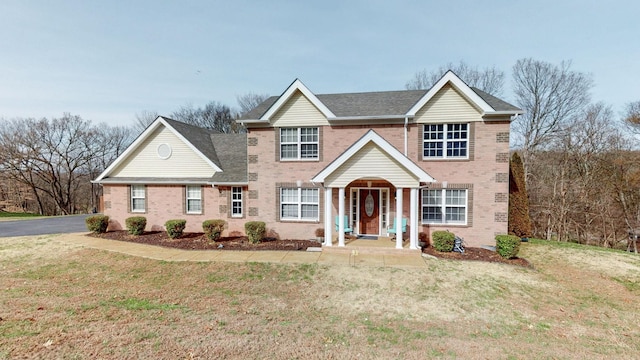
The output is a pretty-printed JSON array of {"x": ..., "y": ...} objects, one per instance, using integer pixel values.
[
  {"x": 581, "y": 165},
  {"x": 46, "y": 165}
]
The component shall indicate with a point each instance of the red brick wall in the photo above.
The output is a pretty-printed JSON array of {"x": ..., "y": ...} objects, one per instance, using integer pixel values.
[
  {"x": 166, "y": 202},
  {"x": 486, "y": 172}
]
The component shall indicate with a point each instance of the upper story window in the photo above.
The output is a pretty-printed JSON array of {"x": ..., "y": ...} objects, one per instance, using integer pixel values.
[
  {"x": 138, "y": 201},
  {"x": 299, "y": 143},
  {"x": 445, "y": 141}
]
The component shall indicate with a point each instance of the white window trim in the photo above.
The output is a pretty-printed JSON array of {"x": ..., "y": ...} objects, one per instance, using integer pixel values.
[
  {"x": 234, "y": 191},
  {"x": 299, "y": 203},
  {"x": 187, "y": 198},
  {"x": 445, "y": 141},
  {"x": 143, "y": 197},
  {"x": 444, "y": 206},
  {"x": 299, "y": 144}
]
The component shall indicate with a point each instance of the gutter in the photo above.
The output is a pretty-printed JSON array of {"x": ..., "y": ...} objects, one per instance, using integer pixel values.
[{"x": 406, "y": 123}]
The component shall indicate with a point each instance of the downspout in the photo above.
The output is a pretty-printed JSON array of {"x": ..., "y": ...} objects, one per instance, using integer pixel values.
[{"x": 406, "y": 122}]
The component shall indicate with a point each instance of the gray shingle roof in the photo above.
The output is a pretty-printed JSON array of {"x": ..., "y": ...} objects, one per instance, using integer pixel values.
[
  {"x": 379, "y": 103},
  {"x": 494, "y": 102},
  {"x": 227, "y": 151},
  {"x": 232, "y": 153},
  {"x": 372, "y": 103},
  {"x": 259, "y": 110},
  {"x": 199, "y": 137}
]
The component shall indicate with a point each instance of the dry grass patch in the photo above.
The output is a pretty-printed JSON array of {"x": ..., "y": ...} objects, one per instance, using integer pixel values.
[{"x": 59, "y": 301}]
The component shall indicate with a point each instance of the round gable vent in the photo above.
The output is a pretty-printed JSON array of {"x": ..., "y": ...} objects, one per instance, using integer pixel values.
[{"x": 164, "y": 151}]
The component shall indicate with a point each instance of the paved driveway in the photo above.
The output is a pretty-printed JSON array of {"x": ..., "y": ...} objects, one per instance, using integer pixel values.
[{"x": 51, "y": 225}]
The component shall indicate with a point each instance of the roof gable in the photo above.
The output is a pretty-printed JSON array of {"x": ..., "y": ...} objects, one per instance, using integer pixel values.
[
  {"x": 297, "y": 85},
  {"x": 191, "y": 137},
  {"x": 451, "y": 78},
  {"x": 372, "y": 137},
  {"x": 381, "y": 105}
]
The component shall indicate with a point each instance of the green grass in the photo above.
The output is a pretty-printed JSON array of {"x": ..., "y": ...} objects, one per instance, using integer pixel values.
[
  {"x": 571, "y": 245},
  {"x": 6, "y": 214}
]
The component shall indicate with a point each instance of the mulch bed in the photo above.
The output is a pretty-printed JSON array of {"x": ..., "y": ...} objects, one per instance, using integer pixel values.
[
  {"x": 477, "y": 254},
  {"x": 198, "y": 241}
]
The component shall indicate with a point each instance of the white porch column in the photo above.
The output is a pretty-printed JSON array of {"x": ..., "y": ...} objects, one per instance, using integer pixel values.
[
  {"x": 341, "y": 216},
  {"x": 413, "y": 204},
  {"x": 328, "y": 216},
  {"x": 398, "y": 223}
]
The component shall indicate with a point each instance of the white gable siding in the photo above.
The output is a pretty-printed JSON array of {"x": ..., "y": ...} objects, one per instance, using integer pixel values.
[
  {"x": 298, "y": 111},
  {"x": 145, "y": 162},
  {"x": 448, "y": 105},
  {"x": 371, "y": 162}
]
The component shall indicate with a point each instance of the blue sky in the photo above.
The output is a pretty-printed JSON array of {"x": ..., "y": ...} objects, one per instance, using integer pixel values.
[{"x": 108, "y": 60}]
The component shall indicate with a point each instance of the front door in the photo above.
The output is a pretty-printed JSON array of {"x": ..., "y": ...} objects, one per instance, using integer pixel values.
[{"x": 369, "y": 211}]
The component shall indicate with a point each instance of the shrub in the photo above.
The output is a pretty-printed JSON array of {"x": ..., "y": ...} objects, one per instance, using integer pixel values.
[
  {"x": 320, "y": 232},
  {"x": 136, "y": 224},
  {"x": 175, "y": 227},
  {"x": 519, "y": 220},
  {"x": 508, "y": 245},
  {"x": 97, "y": 223},
  {"x": 255, "y": 231},
  {"x": 213, "y": 228},
  {"x": 443, "y": 240}
]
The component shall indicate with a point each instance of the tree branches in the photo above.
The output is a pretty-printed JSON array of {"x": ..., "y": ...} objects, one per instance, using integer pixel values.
[
  {"x": 490, "y": 80},
  {"x": 57, "y": 158}
]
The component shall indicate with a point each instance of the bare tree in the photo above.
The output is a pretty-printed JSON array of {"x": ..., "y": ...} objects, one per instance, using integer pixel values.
[
  {"x": 143, "y": 119},
  {"x": 56, "y": 159},
  {"x": 250, "y": 101},
  {"x": 107, "y": 143},
  {"x": 584, "y": 184},
  {"x": 550, "y": 96},
  {"x": 490, "y": 79},
  {"x": 214, "y": 115},
  {"x": 632, "y": 116},
  {"x": 48, "y": 156}
]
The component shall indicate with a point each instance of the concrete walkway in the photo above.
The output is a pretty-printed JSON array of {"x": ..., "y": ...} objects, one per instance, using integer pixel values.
[{"x": 359, "y": 258}]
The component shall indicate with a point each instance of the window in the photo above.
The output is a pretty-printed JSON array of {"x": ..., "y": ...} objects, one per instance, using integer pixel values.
[
  {"x": 444, "y": 206},
  {"x": 446, "y": 141},
  {"x": 194, "y": 200},
  {"x": 138, "y": 198},
  {"x": 299, "y": 143},
  {"x": 299, "y": 204},
  {"x": 236, "y": 201}
]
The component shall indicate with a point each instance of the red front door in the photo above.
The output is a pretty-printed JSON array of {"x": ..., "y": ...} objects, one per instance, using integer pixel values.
[{"x": 369, "y": 211}]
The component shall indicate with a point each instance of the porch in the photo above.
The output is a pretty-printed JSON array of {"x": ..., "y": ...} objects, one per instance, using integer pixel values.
[
  {"x": 373, "y": 180},
  {"x": 380, "y": 245}
]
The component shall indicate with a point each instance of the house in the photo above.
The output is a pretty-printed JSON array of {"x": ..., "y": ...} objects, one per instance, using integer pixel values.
[{"x": 434, "y": 159}]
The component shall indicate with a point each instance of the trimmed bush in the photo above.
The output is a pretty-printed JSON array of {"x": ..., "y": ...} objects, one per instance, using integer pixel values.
[
  {"x": 97, "y": 223},
  {"x": 508, "y": 246},
  {"x": 443, "y": 241},
  {"x": 519, "y": 220},
  {"x": 255, "y": 231},
  {"x": 136, "y": 224},
  {"x": 213, "y": 228},
  {"x": 175, "y": 227}
]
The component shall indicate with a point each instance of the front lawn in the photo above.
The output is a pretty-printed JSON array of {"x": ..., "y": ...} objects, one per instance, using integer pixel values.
[{"x": 62, "y": 301}]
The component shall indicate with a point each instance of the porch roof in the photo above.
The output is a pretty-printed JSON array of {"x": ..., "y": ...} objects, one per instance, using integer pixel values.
[{"x": 371, "y": 137}]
